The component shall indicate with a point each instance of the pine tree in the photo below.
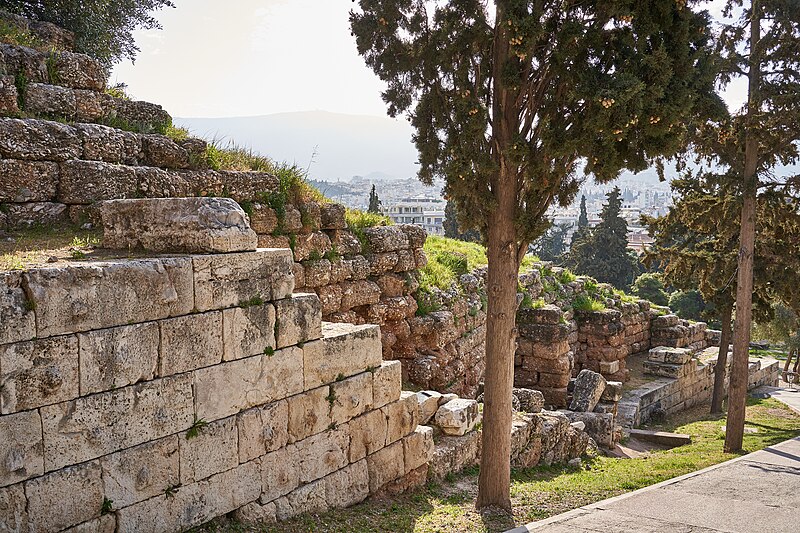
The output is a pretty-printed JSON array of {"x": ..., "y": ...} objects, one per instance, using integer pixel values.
[
  {"x": 552, "y": 245},
  {"x": 374, "y": 202},
  {"x": 603, "y": 253},
  {"x": 508, "y": 106}
]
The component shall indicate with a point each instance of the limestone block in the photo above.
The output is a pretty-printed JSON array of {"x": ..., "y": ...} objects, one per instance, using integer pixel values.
[
  {"x": 309, "y": 413},
  {"x": 262, "y": 430},
  {"x": 361, "y": 292},
  {"x": 100, "y": 424},
  {"x": 418, "y": 448},
  {"x": 27, "y": 181},
  {"x": 385, "y": 465},
  {"x": 116, "y": 357},
  {"x": 214, "y": 449},
  {"x": 346, "y": 242},
  {"x": 245, "y": 186},
  {"x": 428, "y": 404},
  {"x": 348, "y": 486},
  {"x": 332, "y": 216},
  {"x": 345, "y": 350},
  {"x": 458, "y": 417},
  {"x": 298, "y": 319},
  {"x": 416, "y": 235},
  {"x": 386, "y": 239},
  {"x": 453, "y": 454},
  {"x": 136, "y": 474},
  {"x": 93, "y": 296},
  {"x": 224, "y": 390},
  {"x": 612, "y": 392},
  {"x": 248, "y": 331},
  {"x": 322, "y": 454},
  {"x": 189, "y": 225},
  {"x": 190, "y": 342},
  {"x": 589, "y": 387},
  {"x": 37, "y": 373},
  {"x": 8, "y": 94},
  {"x": 311, "y": 246},
  {"x": 17, "y": 320},
  {"x": 21, "y": 449},
  {"x": 381, "y": 263},
  {"x": 330, "y": 297},
  {"x": 255, "y": 514},
  {"x": 43, "y": 99},
  {"x": 367, "y": 434},
  {"x": 20, "y": 216},
  {"x": 79, "y": 71},
  {"x": 65, "y": 498},
  {"x": 263, "y": 219},
  {"x": 351, "y": 397},
  {"x": 102, "y": 524},
  {"x": 306, "y": 499},
  {"x": 387, "y": 383},
  {"x": 402, "y": 416},
  {"x": 553, "y": 381},
  {"x": 530, "y": 401},
  {"x": 609, "y": 367},
  {"x": 194, "y": 504},
  {"x": 38, "y": 140},
  {"x": 13, "y": 509},
  {"x": 360, "y": 267},
  {"x": 88, "y": 105},
  {"x": 280, "y": 474},
  {"x": 317, "y": 273},
  {"x": 85, "y": 182},
  {"x": 160, "y": 151},
  {"x": 226, "y": 280}
]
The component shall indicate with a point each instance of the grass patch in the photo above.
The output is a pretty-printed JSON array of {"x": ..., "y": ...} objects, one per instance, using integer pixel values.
[
  {"x": 34, "y": 246},
  {"x": 119, "y": 90},
  {"x": 14, "y": 35},
  {"x": 588, "y": 304},
  {"x": 357, "y": 221},
  {"x": 541, "y": 492}
]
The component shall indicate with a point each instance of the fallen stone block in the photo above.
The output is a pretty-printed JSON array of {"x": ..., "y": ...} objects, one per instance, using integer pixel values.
[
  {"x": 458, "y": 417},
  {"x": 589, "y": 387},
  {"x": 612, "y": 392},
  {"x": 428, "y": 404},
  {"x": 190, "y": 225},
  {"x": 661, "y": 437},
  {"x": 530, "y": 401}
]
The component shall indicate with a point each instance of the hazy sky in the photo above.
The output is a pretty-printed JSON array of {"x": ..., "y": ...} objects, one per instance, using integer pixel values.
[{"x": 218, "y": 58}]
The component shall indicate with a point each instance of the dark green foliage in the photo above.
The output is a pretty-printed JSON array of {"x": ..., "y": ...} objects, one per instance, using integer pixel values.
[
  {"x": 374, "y": 202},
  {"x": 107, "y": 507},
  {"x": 552, "y": 245},
  {"x": 194, "y": 430},
  {"x": 604, "y": 253},
  {"x": 650, "y": 287},
  {"x": 103, "y": 28},
  {"x": 688, "y": 305},
  {"x": 451, "y": 225}
]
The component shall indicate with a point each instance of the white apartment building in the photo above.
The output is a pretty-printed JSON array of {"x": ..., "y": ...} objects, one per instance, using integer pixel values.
[{"x": 424, "y": 211}]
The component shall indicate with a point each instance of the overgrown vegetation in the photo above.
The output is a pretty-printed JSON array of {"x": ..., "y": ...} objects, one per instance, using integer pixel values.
[
  {"x": 588, "y": 304},
  {"x": 357, "y": 221},
  {"x": 13, "y": 34}
]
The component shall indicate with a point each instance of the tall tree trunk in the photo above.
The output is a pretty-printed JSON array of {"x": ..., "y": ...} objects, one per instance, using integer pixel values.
[
  {"x": 720, "y": 369},
  {"x": 737, "y": 391},
  {"x": 494, "y": 482}
]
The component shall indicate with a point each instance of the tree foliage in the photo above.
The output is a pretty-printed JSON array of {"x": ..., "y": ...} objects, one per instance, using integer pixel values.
[
  {"x": 552, "y": 246},
  {"x": 374, "y": 202},
  {"x": 688, "y": 305},
  {"x": 603, "y": 253},
  {"x": 650, "y": 287},
  {"x": 103, "y": 28},
  {"x": 452, "y": 227}
]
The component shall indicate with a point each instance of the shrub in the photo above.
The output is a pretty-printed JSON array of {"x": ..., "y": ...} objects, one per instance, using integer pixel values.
[{"x": 587, "y": 304}]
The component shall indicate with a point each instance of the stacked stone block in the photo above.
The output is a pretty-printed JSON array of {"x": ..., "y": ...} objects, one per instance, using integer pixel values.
[
  {"x": 606, "y": 338},
  {"x": 543, "y": 360},
  {"x": 156, "y": 394},
  {"x": 671, "y": 331}
]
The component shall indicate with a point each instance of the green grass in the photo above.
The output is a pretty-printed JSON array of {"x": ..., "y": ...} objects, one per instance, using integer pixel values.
[
  {"x": 541, "y": 492},
  {"x": 14, "y": 35},
  {"x": 588, "y": 304},
  {"x": 358, "y": 221},
  {"x": 772, "y": 353}
]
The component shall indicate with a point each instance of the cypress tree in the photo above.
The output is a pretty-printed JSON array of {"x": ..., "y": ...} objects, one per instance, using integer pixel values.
[
  {"x": 509, "y": 105},
  {"x": 374, "y": 202}
]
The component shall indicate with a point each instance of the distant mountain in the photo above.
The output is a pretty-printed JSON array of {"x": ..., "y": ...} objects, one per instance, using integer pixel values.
[{"x": 341, "y": 145}]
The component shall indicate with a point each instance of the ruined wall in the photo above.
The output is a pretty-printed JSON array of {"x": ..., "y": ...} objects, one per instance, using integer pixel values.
[{"x": 156, "y": 394}]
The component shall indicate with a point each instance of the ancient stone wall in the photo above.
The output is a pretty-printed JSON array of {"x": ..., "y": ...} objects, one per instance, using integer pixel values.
[{"x": 156, "y": 394}]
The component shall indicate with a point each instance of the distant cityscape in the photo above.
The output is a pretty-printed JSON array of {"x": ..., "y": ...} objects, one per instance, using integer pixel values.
[{"x": 408, "y": 201}]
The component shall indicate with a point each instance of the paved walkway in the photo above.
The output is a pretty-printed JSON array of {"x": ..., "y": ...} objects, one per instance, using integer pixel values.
[{"x": 759, "y": 492}]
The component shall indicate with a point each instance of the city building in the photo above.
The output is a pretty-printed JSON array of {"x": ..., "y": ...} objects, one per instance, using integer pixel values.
[{"x": 425, "y": 211}]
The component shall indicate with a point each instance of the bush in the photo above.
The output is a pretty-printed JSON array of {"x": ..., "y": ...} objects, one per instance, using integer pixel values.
[
  {"x": 650, "y": 287},
  {"x": 688, "y": 305}
]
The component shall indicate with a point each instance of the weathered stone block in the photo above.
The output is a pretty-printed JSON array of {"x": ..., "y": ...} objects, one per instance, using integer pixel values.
[
  {"x": 65, "y": 498},
  {"x": 102, "y": 524},
  {"x": 88, "y": 105},
  {"x": 453, "y": 454},
  {"x": 17, "y": 319},
  {"x": 322, "y": 454},
  {"x": 309, "y": 413},
  {"x": 255, "y": 514},
  {"x": 280, "y": 474},
  {"x": 21, "y": 216},
  {"x": 332, "y": 216},
  {"x": 116, "y": 357},
  {"x": 458, "y": 417},
  {"x": 194, "y": 504},
  {"x": 160, "y": 151},
  {"x": 230, "y": 279},
  {"x": 248, "y": 331},
  {"x": 612, "y": 392},
  {"x": 85, "y": 182},
  {"x": 190, "y": 342},
  {"x": 385, "y": 465},
  {"x": 263, "y": 219},
  {"x": 387, "y": 383},
  {"x": 37, "y": 373},
  {"x": 418, "y": 448},
  {"x": 43, "y": 99},
  {"x": 190, "y": 225},
  {"x": 212, "y": 450},
  {"x": 21, "y": 448},
  {"x": 94, "y": 296},
  {"x": 27, "y": 181},
  {"x": 262, "y": 430},
  {"x": 141, "y": 472},
  {"x": 367, "y": 434},
  {"x": 345, "y": 350},
  {"x": 386, "y": 239},
  {"x": 38, "y": 140},
  {"x": 609, "y": 367},
  {"x": 311, "y": 246},
  {"x": 530, "y": 401},
  {"x": 298, "y": 319},
  {"x": 13, "y": 509},
  {"x": 351, "y": 397},
  {"x": 224, "y": 390},
  {"x": 317, "y": 274},
  {"x": 348, "y": 486},
  {"x": 306, "y": 499},
  {"x": 96, "y": 425},
  {"x": 589, "y": 387},
  {"x": 402, "y": 416},
  {"x": 428, "y": 401},
  {"x": 361, "y": 292}
]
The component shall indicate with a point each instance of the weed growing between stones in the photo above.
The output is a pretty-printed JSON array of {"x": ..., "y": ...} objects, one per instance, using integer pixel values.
[
  {"x": 196, "y": 427},
  {"x": 587, "y": 304},
  {"x": 269, "y": 351},
  {"x": 172, "y": 490},
  {"x": 107, "y": 507},
  {"x": 254, "y": 301}
]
